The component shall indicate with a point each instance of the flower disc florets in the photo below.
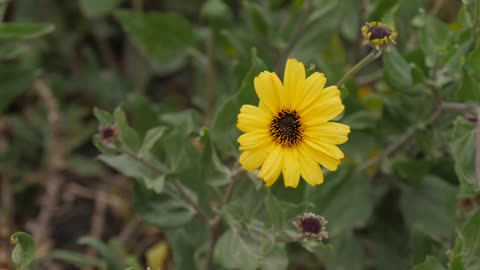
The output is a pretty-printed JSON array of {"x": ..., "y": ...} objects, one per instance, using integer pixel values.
[
  {"x": 311, "y": 227},
  {"x": 378, "y": 35}
]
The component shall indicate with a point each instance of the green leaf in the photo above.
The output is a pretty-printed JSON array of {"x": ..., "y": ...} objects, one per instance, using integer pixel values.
[
  {"x": 473, "y": 59},
  {"x": 224, "y": 132},
  {"x": 183, "y": 249},
  {"x": 397, "y": 71},
  {"x": 166, "y": 50},
  {"x": 346, "y": 199},
  {"x": 128, "y": 166},
  {"x": 466, "y": 253},
  {"x": 342, "y": 246},
  {"x": 434, "y": 38},
  {"x": 95, "y": 9},
  {"x": 412, "y": 170},
  {"x": 463, "y": 145},
  {"x": 161, "y": 210},
  {"x": 12, "y": 49},
  {"x": 213, "y": 170},
  {"x": 469, "y": 89},
  {"x": 134, "y": 168},
  {"x": 24, "y": 31},
  {"x": 152, "y": 136},
  {"x": 429, "y": 207},
  {"x": 431, "y": 263},
  {"x": 111, "y": 257},
  {"x": 13, "y": 82},
  {"x": 75, "y": 258},
  {"x": 24, "y": 251},
  {"x": 215, "y": 10},
  {"x": 241, "y": 250},
  {"x": 181, "y": 157},
  {"x": 361, "y": 120},
  {"x": 128, "y": 135},
  {"x": 103, "y": 117},
  {"x": 349, "y": 25}
]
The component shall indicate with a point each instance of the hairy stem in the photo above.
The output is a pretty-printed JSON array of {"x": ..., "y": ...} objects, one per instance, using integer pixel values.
[{"x": 365, "y": 61}]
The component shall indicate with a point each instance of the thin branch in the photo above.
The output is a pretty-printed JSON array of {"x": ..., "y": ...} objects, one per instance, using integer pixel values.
[
  {"x": 199, "y": 211},
  {"x": 402, "y": 140},
  {"x": 54, "y": 152},
  {"x": 210, "y": 100},
  {"x": 437, "y": 5},
  {"x": 216, "y": 231},
  {"x": 459, "y": 107},
  {"x": 201, "y": 214},
  {"x": 237, "y": 169},
  {"x": 6, "y": 224},
  {"x": 98, "y": 223},
  {"x": 128, "y": 230}
]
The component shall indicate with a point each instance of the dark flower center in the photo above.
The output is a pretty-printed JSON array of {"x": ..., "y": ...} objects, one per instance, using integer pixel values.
[
  {"x": 379, "y": 32},
  {"x": 311, "y": 225},
  {"x": 286, "y": 128},
  {"x": 108, "y": 133}
]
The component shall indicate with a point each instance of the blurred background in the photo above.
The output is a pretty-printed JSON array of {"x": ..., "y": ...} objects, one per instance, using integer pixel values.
[{"x": 81, "y": 54}]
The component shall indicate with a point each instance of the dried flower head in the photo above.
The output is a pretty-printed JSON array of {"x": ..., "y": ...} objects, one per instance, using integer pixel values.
[
  {"x": 378, "y": 35},
  {"x": 108, "y": 134},
  {"x": 311, "y": 227}
]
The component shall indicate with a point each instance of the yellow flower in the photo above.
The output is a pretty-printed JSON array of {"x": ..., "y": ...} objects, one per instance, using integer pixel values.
[
  {"x": 289, "y": 131},
  {"x": 378, "y": 35}
]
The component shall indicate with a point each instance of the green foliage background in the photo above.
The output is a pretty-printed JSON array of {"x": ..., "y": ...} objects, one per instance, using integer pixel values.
[{"x": 173, "y": 74}]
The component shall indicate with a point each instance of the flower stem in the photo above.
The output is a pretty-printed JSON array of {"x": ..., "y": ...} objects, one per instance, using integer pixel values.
[{"x": 365, "y": 61}]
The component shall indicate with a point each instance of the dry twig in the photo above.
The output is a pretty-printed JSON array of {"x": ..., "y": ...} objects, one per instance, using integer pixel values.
[{"x": 54, "y": 159}]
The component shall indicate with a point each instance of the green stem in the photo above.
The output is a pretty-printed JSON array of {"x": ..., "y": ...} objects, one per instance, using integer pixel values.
[{"x": 365, "y": 61}]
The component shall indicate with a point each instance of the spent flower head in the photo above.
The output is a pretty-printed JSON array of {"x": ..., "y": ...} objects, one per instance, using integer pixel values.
[
  {"x": 108, "y": 134},
  {"x": 311, "y": 227},
  {"x": 290, "y": 132},
  {"x": 379, "y": 35}
]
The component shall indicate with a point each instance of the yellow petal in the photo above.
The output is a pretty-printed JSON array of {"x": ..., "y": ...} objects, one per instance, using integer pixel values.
[
  {"x": 322, "y": 113},
  {"x": 293, "y": 81},
  {"x": 328, "y": 92},
  {"x": 312, "y": 89},
  {"x": 311, "y": 172},
  {"x": 290, "y": 169},
  {"x": 329, "y": 149},
  {"x": 251, "y": 160},
  {"x": 329, "y": 132},
  {"x": 254, "y": 139},
  {"x": 272, "y": 166},
  {"x": 268, "y": 88},
  {"x": 252, "y": 118},
  {"x": 323, "y": 159}
]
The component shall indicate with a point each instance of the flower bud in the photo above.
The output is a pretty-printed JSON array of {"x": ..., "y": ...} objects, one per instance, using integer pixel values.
[
  {"x": 311, "y": 227},
  {"x": 108, "y": 134},
  {"x": 379, "y": 36}
]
